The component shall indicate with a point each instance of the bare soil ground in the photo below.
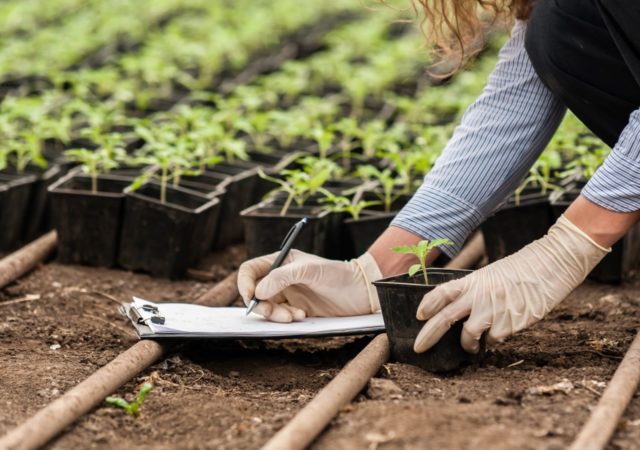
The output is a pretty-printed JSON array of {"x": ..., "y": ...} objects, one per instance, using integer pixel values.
[{"x": 237, "y": 395}]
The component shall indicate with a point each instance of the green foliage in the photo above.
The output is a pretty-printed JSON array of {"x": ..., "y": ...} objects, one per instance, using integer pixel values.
[
  {"x": 421, "y": 250},
  {"x": 96, "y": 162},
  {"x": 387, "y": 184},
  {"x": 340, "y": 204},
  {"x": 298, "y": 185},
  {"x": 131, "y": 408}
]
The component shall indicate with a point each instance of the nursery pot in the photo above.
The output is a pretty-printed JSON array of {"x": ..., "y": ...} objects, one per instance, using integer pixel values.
[
  {"x": 240, "y": 194},
  {"x": 165, "y": 239},
  {"x": 15, "y": 192},
  {"x": 362, "y": 232},
  {"x": 399, "y": 299},
  {"x": 88, "y": 223},
  {"x": 38, "y": 217},
  {"x": 516, "y": 224},
  {"x": 265, "y": 229}
]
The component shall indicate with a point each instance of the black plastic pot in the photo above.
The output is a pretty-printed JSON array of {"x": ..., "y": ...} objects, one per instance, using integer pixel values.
[
  {"x": 361, "y": 233},
  {"x": 88, "y": 223},
  {"x": 624, "y": 256},
  {"x": 240, "y": 194},
  {"x": 38, "y": 217},
  {"x": 208, "y": 183},
  {"x": 15, "y": 191},
  {"x": 400, "y": 297},
  {"x": 265, "y": 229},
  {"x": 165, "y": 239},
  {"x": 516, "y": 224}
]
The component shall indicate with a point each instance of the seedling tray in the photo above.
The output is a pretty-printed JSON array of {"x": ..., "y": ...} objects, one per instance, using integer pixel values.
[
  {"x": 38, "y": 217},
  {"x": 88, "y": 223},
  {"x": 15, "y": 191},
  {"x": 400, "y": 297},
  {"x": 515, "y": 225},
  {"x": 165, "y": 239},
  {"x": 240, "y": 194}
]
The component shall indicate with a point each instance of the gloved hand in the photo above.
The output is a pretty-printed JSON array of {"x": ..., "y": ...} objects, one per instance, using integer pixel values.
[
  {"x": 307, "y": 285},
  {"x": 512, "y": 293}
]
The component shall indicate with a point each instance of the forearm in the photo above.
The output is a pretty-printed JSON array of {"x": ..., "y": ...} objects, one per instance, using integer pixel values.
[
  {"x": 391, "y": 263},
  {"x": 602, "y": 225}
]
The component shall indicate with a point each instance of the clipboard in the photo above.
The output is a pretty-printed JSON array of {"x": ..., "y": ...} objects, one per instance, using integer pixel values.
[{"x": 184, "y": 321}]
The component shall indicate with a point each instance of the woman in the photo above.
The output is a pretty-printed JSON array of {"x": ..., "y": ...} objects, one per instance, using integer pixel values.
[{"x": 578, "y": 54}]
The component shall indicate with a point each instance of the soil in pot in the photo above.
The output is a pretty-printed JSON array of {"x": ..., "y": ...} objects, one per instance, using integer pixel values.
[
  {"x": 88, "y": 223},
  {"x": 165, "y": 239},
  {"x": 399, "y": 299},
  {"x": 516, "y": 224},
  {"x": 15, "y": 192},
  {"x": 265, "y": 229}
]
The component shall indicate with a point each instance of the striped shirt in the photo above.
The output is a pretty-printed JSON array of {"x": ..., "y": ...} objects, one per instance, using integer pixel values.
[{"x": 499, "y": 138}]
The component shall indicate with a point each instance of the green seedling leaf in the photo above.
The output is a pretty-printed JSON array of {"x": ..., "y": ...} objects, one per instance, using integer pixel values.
[
  {"x": 421, "y": 250},
  {"x": 405, "y": 249},
  {"x": 414, "y": 269},
  {"x": 132, "y": 408}
]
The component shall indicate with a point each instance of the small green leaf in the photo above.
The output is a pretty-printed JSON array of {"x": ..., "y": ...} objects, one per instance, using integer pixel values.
[
  {"x": 405, "y": 249},
  {"x": 414, "y": 269}
]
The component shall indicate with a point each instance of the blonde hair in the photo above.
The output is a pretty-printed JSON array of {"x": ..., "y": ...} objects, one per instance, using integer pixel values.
[{"x": 452, "y": 27}]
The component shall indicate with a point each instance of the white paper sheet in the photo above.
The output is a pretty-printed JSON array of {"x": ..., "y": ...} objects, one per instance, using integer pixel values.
[{"x": 186, "y": 320}]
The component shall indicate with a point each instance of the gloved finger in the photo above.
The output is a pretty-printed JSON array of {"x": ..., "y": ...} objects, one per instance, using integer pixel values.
[
  {"x": 283, "y": 277},
  {"x": 438, "y": 298},
  {"x": 297, "y": 314},
  {"x": 280, "y": 313},
  {"x": 263, "y": 309},
  {"x": 437, "y": 326},
  {"x": 250, "y": 272},
  {"x": 478, "y": 322}
]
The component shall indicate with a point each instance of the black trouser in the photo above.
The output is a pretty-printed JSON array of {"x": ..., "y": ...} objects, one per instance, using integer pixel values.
[{"x": 587, "y": 52}]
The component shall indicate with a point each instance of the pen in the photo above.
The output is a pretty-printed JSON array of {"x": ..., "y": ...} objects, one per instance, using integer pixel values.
[{"x": 284, "y": 251}]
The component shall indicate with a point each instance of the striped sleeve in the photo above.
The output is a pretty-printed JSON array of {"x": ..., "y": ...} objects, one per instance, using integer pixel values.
[
  {"x": 499, "y": 138},
  {"x": 616, "y": 184}
]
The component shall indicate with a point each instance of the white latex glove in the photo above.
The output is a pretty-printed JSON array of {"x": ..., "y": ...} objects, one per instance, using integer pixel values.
[
  {"x": 512, "y": 293},
  {"x": 307, "y": 285}
]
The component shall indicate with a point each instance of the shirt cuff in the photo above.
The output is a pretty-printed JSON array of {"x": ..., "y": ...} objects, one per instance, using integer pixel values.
[
  {"x": 434, "y": 214},
  {"x": 616, "y": 184}
]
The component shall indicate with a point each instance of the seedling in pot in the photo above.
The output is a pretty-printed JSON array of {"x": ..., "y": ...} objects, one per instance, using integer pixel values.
[
  {"x": 298, "y": 185},
  {"x": 421, "y": 250},
  {"x": 540, "y": 174},
  {"x": 133, "y": 408},
  {"x": 173, "y": 157},
  {"x": 386, "y": 181},
  {"x": 348, "y": 129},
  {"x": 340, "y": 204},
  {"x": 95, "y": 162},
  {"x": 324, "y": 137}
]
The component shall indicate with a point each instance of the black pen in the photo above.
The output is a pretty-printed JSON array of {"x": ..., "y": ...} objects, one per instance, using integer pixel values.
[{"x": 284, "y": 251}]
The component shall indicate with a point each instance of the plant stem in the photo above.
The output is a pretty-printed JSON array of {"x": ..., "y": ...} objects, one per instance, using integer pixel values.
[
  {"x": 287, "y": 204},
  {"x": 163, "y": 186},
  {"x": 424, "y": 274}
]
